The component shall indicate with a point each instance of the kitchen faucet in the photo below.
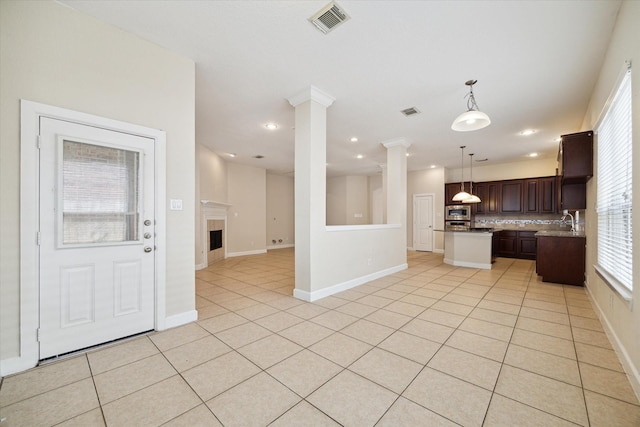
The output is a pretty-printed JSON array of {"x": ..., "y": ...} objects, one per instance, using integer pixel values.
[{"x": 566, "y": 213}]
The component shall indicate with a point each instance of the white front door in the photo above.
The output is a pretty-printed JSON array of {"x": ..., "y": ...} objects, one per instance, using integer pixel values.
[
  {"x": 423, "y": 222},
  {"x": 97, "y": 236}
]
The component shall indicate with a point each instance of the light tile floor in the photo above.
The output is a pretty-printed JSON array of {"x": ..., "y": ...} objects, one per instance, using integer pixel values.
[{"x": 432, "y": 345}]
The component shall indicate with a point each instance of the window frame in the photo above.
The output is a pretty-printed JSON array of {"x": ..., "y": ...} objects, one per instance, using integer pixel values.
[{"x": 614, "y": 281}]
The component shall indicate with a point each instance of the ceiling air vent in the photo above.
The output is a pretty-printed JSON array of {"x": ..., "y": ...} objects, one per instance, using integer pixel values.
[
  {"x": 410, "y": 111},
  {"x": 329, "y": 17}
]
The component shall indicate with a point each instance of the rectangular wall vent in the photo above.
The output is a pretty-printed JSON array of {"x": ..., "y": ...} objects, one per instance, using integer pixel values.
[
  {"x": 329, "y": 17},
  {"x": 410, "y": 111}
]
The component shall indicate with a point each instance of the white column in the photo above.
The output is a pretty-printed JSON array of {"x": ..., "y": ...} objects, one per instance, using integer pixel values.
[
  {"x": 397, "y": 182},
  {"x": 310, "y": 179},
  {"x": 384, "y": 192}
]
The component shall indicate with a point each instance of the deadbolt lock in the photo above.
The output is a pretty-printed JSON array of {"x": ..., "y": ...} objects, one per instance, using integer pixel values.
[
  {"x": 147, "y": 235},
  {"x": 147, "y": 222},
  {"x": 147, "y": 249}
]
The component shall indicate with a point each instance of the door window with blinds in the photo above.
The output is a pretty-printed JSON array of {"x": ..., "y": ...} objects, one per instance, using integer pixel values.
[
  {"x": 614, "y": 190},
  {"x": 99, "y": 194}
]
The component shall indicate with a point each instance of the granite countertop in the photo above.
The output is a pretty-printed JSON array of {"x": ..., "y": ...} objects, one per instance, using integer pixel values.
[
  {"x": 555, "y": 233},
  {"x": 472, "y": 230}
]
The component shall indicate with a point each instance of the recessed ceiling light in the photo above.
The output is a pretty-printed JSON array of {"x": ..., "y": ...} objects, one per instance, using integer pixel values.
[
  {"x": 360, "y": 156},
  {"x": 354, "y": 139},
  {"x": 532, "y": 154},
  {"x": 408, "y": 154},
  {"x": 231, "y": 154},
  {"x": 271, "y": 126},
  {"x": 432, "y": 166},
  {"x": 528, "y": 132}
]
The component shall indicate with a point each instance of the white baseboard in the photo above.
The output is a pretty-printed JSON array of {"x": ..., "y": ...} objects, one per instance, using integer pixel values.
[
  {"x": 13, "y": 365},
  {"x": 201, "y": 266},
  {"x": 256, "y": 252},
  {"x": 468, "y": 264},
  {"x": 438, "y": 251},
  {"x": 627, "y": 363},
  {"x": 180, "y": 319},
  {"x": 288, "y": 245},
  {"x": 340, "y": 287}
]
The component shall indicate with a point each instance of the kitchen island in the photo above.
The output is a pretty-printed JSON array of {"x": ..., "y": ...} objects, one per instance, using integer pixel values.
[{"x": 468, "y": 248}]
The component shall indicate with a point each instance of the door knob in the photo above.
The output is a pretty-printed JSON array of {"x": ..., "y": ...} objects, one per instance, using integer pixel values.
[
  {"x": 147, "y": 249},
  {"x": 147, "y": 235},
  {"x": 147, "y": 222}
]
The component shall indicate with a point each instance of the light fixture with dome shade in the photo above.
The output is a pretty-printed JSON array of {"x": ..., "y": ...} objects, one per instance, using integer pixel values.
[
  {"x": 472, "y": 198},
  {"x": 462, "y": 195},
  {"x": 473, "y": 118}
]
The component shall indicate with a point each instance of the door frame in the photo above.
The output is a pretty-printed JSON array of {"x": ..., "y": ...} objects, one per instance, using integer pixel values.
[
  {"x": 30, "y": 114},
  {"x": 433, "y": 217}
]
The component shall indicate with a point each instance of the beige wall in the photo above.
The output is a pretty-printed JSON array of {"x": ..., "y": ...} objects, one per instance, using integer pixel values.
[
  {"x": 515, "y": 170},
  {"x": 211, "y": 184},
  {"x": 280, "y": 210},
  {"x": 623, "y": 323},
  {"x": 427, "y": 181},
  {"x": 348, "y": 200},
  {"x": 337, "y": 200},
  {"x": 54, "y": 55},
  {"x": 247, "y": 216}
]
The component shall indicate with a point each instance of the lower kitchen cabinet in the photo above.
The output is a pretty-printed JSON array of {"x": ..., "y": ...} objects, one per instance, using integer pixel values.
[
  {"x": 507, "y": 244},
  {"x": 515, "y": 244},
  {"x": 561, "y": 259},
  {"x": 527, "y": 245}
]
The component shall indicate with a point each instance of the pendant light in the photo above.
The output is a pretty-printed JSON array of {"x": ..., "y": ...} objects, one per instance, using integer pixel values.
[
  {"x": 472, "y": 198},
  {"x": 473, "y": 118},
  {"x": 462, "y": 195}
]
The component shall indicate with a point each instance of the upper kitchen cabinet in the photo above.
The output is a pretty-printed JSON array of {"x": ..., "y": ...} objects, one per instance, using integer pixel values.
[
  {"x": 540, "y": 195},
  {"x": 451, "y": 190},
  {"x": 511, "y": 193},
  {"x": 575, "y": 168},
  {"x": 575, "y": 157},
  {"x": 489, "y": 193}
]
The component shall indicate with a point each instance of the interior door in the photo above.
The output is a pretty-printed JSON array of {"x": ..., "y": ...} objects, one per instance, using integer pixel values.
[
  {"x": 96, "y": 216},
  {"x": 423, "y": 223}
]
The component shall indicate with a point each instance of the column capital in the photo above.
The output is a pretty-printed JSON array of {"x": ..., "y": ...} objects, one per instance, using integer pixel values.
[
  {"x": 396, "y": 142},
  {"x": 311, "y": 93}
]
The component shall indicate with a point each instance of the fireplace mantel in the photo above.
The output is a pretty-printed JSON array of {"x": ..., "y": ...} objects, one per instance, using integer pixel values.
[
  {"x": 211, "y": 208},
  {"x": 214, "y": 204}
]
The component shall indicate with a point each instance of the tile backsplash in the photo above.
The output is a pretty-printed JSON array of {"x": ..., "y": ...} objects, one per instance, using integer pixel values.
[{"x": 528, "y": 222}]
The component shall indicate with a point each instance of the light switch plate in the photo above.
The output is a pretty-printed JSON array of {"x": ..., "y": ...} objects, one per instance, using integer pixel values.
[{"x": 176, "y": 204}]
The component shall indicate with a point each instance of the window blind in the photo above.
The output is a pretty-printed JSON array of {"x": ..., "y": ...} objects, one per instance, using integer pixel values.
[{"x": 614, "y": 189}]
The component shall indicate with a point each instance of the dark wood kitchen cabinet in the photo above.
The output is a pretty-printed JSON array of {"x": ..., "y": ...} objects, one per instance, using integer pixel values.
[
  {"x": 511, "y": 193},
  {"x": 527, "y": 247},
  {"x": 561, "y": 259},
  {"x": 507, "y": 245},
  {"x": 540, "y": 195},
  {"x": 547, "y": 195},
  {"x": 515, "y": 244},
  {"x": 492, "y": 205},
  {"x": 575, "y": 168},
  {"x": 480, "y": 190},
  {"x": 575, "y": 157},
  {"x": 451, "y": 190}
]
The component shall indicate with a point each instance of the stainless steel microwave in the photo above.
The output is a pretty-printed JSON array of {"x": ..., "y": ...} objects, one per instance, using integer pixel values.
[{"x": 457, "y": 213}]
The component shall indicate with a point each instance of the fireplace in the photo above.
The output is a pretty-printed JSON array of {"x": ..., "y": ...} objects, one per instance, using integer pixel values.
[
  {"x": 215, "y": 239},
  {"x": 214, "y": 221}
]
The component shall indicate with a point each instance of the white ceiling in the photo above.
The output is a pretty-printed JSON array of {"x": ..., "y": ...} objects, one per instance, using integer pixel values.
[{"x": 536, "y": 63}]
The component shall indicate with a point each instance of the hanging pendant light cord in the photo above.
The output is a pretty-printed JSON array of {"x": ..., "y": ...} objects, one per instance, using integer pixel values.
[
  {"x": 462, "y": 169},
  {"x": 471, "y": 101},
  {"x": 471, "y": 174}
]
